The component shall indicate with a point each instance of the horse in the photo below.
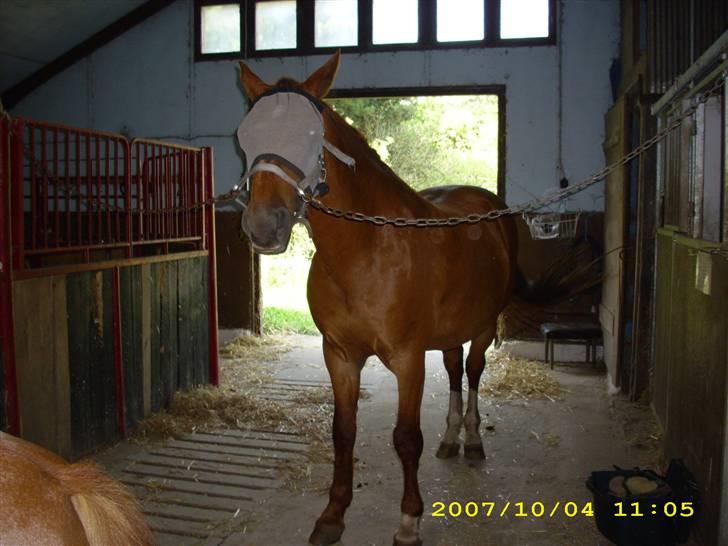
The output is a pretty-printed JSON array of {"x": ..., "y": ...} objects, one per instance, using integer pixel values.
[
  {"x": 386, "y": 290},
  {"x": 45, "y": 500}
]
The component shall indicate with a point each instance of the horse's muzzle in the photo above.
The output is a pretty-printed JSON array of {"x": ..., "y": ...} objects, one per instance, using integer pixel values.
[{"x": 268, "y": 231}]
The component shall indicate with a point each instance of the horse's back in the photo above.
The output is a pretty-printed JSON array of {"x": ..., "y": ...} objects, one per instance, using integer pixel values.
[{"x": 460, "y": 201}]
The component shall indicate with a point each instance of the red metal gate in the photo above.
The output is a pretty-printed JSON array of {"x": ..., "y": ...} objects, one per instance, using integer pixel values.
[{"x": 75, "y": 200}]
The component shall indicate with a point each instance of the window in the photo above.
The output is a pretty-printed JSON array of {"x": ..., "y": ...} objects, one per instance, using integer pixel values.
[
  {"x": 337, "y": 23},
  {"x": 259, "y": 28},
  {"x": 460, "y": 20},
  {"x": 394, "y": 22},
  {"x": 524, "y": 19},
  {"x": 220, "y": 28},
  {"x": 275, "y": 25}
]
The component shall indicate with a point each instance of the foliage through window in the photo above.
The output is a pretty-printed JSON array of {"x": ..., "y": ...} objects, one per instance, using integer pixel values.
[
  {"x": 256, "y": 28},
  {"x": 431, "y": 140}
]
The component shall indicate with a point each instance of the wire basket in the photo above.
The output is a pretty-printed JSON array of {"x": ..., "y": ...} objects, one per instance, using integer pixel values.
[{"x": 552, "y": 225}]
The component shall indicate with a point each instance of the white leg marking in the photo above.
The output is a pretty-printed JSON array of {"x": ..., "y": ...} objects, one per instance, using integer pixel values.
[
  {"x": 472, "y": 419},
  {"x": 409, "y": 529},
  {"x": 454, "y": 418}
]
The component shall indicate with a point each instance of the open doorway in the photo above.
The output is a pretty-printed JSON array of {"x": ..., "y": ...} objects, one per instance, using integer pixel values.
[{"x": 428, "y": 141}]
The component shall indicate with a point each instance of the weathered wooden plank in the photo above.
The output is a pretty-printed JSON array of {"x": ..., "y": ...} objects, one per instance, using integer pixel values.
[
  {"x": 201, "y": 320},
  {"x": 167, "y": 539},
  {"x": 193, "y": 464},
  {"x": 248, "y": 461},
  {"x": 146, "y": 317},
  {"x": 178, "y": 511},
  {"x": 197, "y": 476},
  {"x": 132, "y": 338},
  {"x": 186, "y": 331},
  {"x": 180, "y": 527},
  {"x": 234, "y": 450},
  {"x": 210, "y": 490},
  {"x": 256, "y": 443},
  {"x": 41, "y": 341},
  {"x": 263, "y": 435},
  {"x": 91, "y": 357},
  {"x": 191, "y": 500},
  {"x": 155, "y": 331}
]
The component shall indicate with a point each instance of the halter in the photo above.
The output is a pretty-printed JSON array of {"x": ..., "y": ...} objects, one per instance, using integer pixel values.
[{"x": 298, "y": 145}]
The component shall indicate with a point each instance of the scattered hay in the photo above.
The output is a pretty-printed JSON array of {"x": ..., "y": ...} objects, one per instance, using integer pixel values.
[{"x": 510, "y": 377}]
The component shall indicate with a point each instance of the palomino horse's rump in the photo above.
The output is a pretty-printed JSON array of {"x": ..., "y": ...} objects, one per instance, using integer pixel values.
[{"x": 45, "y": 500}]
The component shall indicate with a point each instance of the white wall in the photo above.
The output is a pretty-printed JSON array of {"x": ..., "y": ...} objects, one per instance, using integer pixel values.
[{"x": 146, "y": 83}]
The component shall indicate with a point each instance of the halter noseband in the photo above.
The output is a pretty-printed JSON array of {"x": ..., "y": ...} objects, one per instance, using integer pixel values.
[{"x": 299, "y": 147}]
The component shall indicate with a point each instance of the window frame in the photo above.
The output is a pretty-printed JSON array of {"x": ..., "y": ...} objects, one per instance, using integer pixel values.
[{"x": 305, "y": 32}]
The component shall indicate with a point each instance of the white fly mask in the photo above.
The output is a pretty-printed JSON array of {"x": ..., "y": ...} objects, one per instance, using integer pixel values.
[{"x": 286, "y": 127}]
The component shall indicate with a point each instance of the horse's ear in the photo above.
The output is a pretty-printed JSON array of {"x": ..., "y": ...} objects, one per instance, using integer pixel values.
[
  {"x": 252, "y": 84},
  {"x": 319, "y": 83}
]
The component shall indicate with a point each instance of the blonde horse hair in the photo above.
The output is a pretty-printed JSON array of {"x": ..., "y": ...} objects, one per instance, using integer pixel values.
[{"x": 108, "y": 512}]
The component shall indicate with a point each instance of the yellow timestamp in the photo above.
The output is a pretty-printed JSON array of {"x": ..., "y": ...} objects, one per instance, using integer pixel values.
[
  {"x": 488, "y": 509},
  {"x": 644, "y": 509}
]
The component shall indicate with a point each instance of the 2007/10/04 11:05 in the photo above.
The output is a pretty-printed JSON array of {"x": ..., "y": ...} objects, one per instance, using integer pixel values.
[{"x": 570, "y": 509}]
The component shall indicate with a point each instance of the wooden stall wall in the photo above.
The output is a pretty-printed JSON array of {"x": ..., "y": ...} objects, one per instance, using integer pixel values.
[
  {"x": 238, "y": 271},
  {"x": 691, "y": 359},
  {"x": 65, "y": 349}
]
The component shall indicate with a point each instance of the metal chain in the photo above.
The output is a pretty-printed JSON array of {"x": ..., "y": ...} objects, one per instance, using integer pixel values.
[{"x": 495, "y": 214}]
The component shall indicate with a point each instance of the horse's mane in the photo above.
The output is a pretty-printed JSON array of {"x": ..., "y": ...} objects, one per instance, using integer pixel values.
[{"x": 354, "y": 142}]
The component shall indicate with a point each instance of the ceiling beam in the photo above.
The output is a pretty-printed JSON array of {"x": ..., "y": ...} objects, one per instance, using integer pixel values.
[{"x": 13, "y": 95}]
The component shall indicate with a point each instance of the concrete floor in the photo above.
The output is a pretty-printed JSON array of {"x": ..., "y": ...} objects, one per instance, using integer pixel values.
[{"x": 538, "y": 451}]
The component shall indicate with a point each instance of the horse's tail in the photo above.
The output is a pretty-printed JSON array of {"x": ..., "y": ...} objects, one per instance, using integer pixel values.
[
  {"x": 108, "y": 512},
  {"x": 573, "y": 273}
]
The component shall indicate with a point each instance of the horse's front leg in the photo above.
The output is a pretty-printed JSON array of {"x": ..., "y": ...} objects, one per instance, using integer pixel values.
[
  {"x": 410, "y": 374},
  {"x": 345, "y": 378}
]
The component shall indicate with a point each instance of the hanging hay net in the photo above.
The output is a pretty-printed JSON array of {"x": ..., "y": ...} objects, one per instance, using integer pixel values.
[
  {"x": 552, "y": 225},
  {"x": 510, "y": 377}
]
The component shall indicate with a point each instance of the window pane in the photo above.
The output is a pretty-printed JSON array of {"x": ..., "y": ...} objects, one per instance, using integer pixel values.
[
  {"x": 220, "y": 28},
  {"x": 524, "y": 19},
  {"x": 337, "y": 23},
  {"x": 395, "y": 22},
  {"x": 460, "y": 20},
  {"x": 275, "y": 25}
]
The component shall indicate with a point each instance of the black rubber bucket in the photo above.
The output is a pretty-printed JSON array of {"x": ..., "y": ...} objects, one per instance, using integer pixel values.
[{"x": 660, "y": 518}]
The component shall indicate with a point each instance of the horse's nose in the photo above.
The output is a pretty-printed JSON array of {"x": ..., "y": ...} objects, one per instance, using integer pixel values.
[{"x": 267, "y": 229}]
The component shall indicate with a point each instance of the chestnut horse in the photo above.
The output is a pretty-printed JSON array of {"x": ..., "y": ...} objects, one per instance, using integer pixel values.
[
  {"x": 393, "y": 292},
  {"x": 45, "y": 500}
]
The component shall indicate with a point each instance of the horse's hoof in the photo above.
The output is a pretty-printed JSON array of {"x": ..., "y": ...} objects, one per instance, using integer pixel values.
[
  {"x": 447, "y": 451},
  {"x": 415, "y": 542},
  {"x": 326, "y": 534},
  {"x": 474, "y": 452}
]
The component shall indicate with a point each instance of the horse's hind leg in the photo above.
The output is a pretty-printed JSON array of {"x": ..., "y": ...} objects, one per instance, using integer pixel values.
[
  {"x": 474, "y": 366},
  {"x": 450, "y": 444},
  {"x": 345, "y": 377}
]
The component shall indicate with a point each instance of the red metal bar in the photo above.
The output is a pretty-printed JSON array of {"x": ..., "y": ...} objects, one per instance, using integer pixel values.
[
  {"x": 17, "y": 195},
  {"x": 209, "y": 188},
  {"x": 67, "y": 185},
  {"x": 118, "y": 356},
  {"x": 33, "y": 189},
  {"x": 44, "y": 188},
  {"x": 89, "y": 193},
  {"x": 97, "y": 202},
  {"x": 128, "y": 199},
  {"x": 107, "y": 196},
  {"x": 79, "y": 222},
  {"x": 56, "y": 213},
  {"x": 7, "y": 334}
]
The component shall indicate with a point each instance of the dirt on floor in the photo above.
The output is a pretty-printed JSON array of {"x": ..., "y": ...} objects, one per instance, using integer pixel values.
[{"x": 530, "y": 490}]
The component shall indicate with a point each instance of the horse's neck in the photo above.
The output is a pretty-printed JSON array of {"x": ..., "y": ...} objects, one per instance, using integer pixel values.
[{"x": 369, "y": 187}]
